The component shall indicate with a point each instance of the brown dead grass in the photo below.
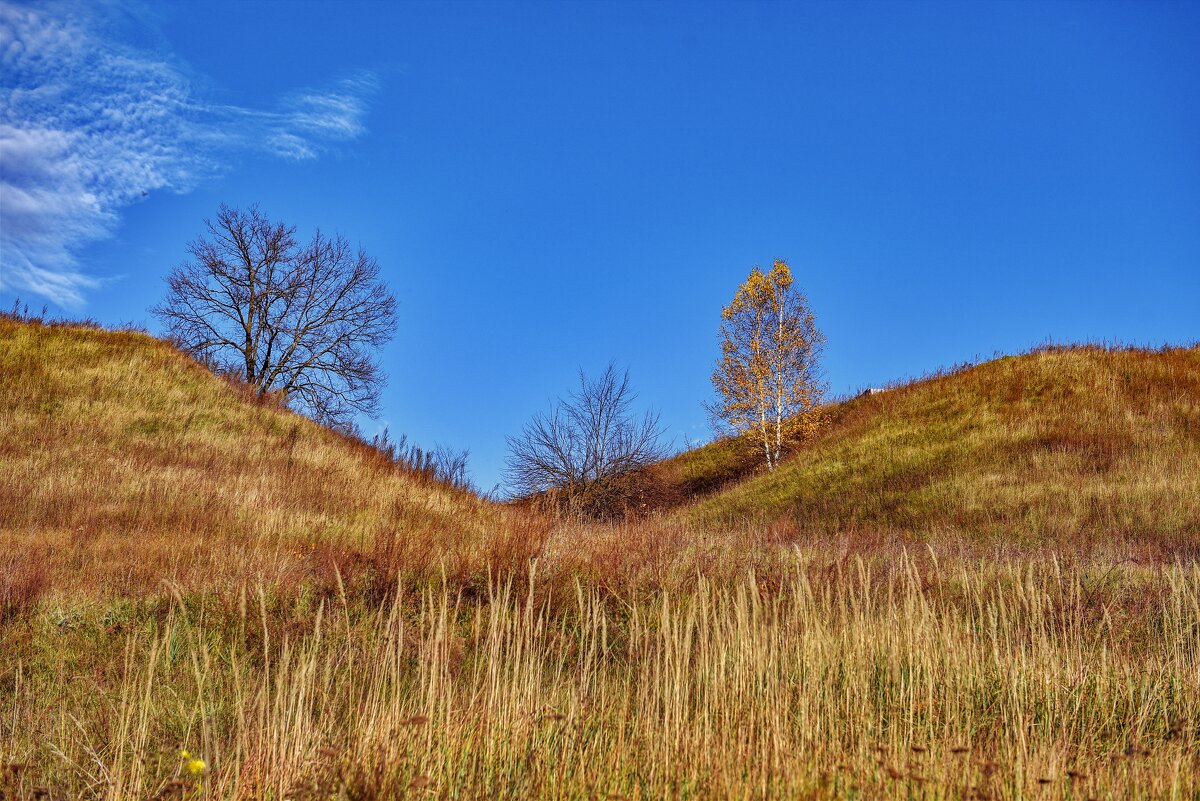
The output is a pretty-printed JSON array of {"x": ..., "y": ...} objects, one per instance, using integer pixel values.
[
  {"x": 980, "y": 586},
  {"x": 125, "y": 464}
]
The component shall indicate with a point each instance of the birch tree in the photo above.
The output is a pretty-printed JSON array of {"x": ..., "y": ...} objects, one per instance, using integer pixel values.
[
  {"x": 767, "y": 380},
  {"x": 300, "y": 321}
]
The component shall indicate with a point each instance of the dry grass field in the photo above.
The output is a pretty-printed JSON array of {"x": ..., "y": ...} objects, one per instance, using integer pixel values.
[
  {"x": 980, "y": 586},
  {"x": 1066, "y": 445}
]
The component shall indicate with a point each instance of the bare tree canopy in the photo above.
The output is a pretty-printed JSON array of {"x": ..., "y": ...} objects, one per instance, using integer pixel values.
[
  {"x": 300, "y": 321},
  {"x": 768, "y": 379},
  {"x": 580, "y": 450}
]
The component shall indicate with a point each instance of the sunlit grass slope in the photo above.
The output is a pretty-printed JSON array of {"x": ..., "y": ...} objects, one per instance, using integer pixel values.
[
  {"x": 184, "y": 569},
  {"x": 124, "y": 462},
  {"x": 1059, "y": 445}
]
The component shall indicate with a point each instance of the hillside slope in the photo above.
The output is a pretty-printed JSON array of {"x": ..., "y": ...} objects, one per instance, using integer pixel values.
[
  {"x": 124, "y": 462},
  {"x": 184, "y": 570},
  {"x": 1056, "y": 445}
]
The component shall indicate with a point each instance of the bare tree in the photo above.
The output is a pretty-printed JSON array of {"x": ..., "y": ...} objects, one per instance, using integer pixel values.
[
  {"x": 300, "y": 321},
  {"x": 581, "y": 452}
]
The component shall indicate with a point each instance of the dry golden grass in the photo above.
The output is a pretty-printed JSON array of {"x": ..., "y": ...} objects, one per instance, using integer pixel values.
[
  {"x": 845, "y": 680},
  {"x": 183, "y": 569},
  {"x": 126, "y": 463},
  {"x": 1066, "y": 446}
]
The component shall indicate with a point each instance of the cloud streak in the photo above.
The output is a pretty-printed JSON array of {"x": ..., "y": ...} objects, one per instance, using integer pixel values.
[{"x": 88, "y": 127}]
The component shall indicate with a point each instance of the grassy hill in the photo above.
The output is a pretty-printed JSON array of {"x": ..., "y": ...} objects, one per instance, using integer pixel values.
[
  {"x": 184, "y": 569},
  {"x": 1062, "y": 445},
  {"x": 125, "y": 463}
]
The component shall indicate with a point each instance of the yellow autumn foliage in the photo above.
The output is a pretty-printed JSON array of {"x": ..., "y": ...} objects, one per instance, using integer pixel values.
[{"x": 767, "y": 380}]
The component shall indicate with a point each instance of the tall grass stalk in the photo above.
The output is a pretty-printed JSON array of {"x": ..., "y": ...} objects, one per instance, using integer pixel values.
[{"x": 998, "y": 681}]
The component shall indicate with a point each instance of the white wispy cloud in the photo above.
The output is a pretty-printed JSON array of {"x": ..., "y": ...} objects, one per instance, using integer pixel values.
[{"x": 88, "y": 126}]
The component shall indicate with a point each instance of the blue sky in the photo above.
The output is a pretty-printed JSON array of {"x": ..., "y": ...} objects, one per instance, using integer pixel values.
[{"x": 549, "y": 186}]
